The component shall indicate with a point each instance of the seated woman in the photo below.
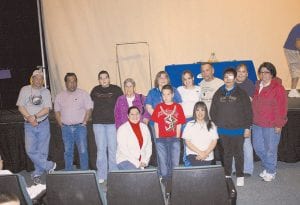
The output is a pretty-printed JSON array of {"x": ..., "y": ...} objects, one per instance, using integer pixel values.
[
  {"x": 134, "y": 146},
  {"x": 200, "y": 137}
]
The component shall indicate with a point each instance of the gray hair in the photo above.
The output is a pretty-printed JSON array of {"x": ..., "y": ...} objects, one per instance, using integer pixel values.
[{"x": 129, "y": 80}]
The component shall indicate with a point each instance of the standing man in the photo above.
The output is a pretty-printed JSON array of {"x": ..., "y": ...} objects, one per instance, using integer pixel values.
[
  {"x": 73, "y": 108},
  {"x": 34, "y": 103},
  {"x": 105, "y": 96},
  {"x": 291, "y": 50},
  {"x": 209, "y": 85}
]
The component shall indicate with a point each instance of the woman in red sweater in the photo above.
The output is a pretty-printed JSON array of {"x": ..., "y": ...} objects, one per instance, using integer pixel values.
[{"x": 269, "y": 107}]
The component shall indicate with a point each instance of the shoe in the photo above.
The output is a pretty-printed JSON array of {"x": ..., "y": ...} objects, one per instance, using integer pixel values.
[
  {"x": 263, "y": 174},
  {"x": 227, "y": 177},
  {"x": 269, "y": 177},
  {"x": 50, "y": 171},
  {"x": 37, "y": 180},
  {"x": 101, "y": 181},
  {"x": 294, "y": 94},
  {"x": 240, "y": 181}
]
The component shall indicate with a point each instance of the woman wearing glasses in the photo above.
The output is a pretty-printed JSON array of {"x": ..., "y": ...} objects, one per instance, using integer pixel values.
[{"x": 269, "y": 107}]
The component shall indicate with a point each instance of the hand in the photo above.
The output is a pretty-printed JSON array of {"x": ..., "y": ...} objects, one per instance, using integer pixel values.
[
  {"x": 278, "y": 130},
  {"x": 247, "y": 133},
  {"x": 146, "y": 121},
  {"x": 142, "y": 164},
  {"x": 202, "y": 155}
]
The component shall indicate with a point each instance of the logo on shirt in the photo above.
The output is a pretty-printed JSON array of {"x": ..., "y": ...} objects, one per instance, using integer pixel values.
[{"x": 170, "y": 119}]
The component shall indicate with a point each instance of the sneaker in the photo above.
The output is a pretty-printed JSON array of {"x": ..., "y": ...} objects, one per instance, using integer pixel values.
[
  {"x": 37, "y": 180},
  {"x": 247, "y": 175},
  {"x": 101, "y": 181},
  {"x": 227, "y": 177},
  {"x": 268, "y": 177},
  {"x": 50, "y": 171},
  {"x": 294, "y": 94},
  {"x": 240, "y": 181},
  {"x": 263, "y": 174}
]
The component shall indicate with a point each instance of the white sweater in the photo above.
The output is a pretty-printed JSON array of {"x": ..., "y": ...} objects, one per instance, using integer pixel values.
[{"x": 128, "y": 147}]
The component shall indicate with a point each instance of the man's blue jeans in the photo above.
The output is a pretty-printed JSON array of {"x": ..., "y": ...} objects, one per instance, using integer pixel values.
[
  {"x": 265, "y": 143},
  {"x": 37, "y": 146},
  {"x": 168, "y": 153},
  {"x": 75, "y": 134},
  {"x": 106, "y": 141}
]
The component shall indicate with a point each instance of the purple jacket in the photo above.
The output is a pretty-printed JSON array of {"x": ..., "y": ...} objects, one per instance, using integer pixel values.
[{"x": 122, "y": 106}]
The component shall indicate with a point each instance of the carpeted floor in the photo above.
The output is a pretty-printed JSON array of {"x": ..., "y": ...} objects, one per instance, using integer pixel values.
[{"x": 285, "y": 189}]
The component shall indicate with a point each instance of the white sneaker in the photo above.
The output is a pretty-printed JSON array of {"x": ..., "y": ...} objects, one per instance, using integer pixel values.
[
  {"x": 50, "y": 171},
  {"x": 101, "y": 181},
  {"x": 263, "y": 174},
  {"x": 269, "y": 177},
  {"x": 294, "y": 94},
  {"x": 240, "y": 181}
]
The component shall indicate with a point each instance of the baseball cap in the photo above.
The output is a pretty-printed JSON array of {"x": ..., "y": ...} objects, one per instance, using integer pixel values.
[{"x": 37, "y": 72}]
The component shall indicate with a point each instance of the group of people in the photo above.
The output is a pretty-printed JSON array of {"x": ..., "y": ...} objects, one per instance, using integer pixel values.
[{"x": 226, "y": 115}]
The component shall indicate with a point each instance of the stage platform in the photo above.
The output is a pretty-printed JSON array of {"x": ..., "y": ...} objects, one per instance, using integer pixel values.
[{"x": 12, "y": 147}]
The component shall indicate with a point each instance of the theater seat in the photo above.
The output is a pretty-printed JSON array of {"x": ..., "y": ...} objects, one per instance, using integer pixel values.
[
  {"x": 15, "y": 183},
  {"x": 202, "y": 185},
  {"x": 134, "y": 187},
  {"x": 73, "y": 188}
]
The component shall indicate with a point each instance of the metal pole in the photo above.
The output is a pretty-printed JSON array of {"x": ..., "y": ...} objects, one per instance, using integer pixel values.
[{"x": 41, "y": 41}]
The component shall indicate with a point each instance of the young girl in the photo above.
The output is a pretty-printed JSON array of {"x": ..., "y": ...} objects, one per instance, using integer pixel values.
[
  {"x": 200, "y": 137},
  {"x": 168, "y": 118}
]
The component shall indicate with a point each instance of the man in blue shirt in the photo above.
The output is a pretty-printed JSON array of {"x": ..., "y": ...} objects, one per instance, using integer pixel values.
[{"x": 291, "y": 50}]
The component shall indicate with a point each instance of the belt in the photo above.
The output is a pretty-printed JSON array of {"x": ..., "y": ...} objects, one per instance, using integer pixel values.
[
  {"x": 39, "y": 122},
  {"x": 78, "y": 124}
]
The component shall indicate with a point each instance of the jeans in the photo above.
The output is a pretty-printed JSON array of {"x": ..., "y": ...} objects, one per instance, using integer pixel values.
[
  {"x": 75, "y": 134},
  {"x": 265, "y": 144},
  {"x": 106, "y": 141},
  {"x": 248, "y": 157},
  {"x": 194, "y": 162},
  {"x": 233, "y": 147},
  {"x": 126, "y": 165},
  {"x": 37, "y": 146},
  {"x": 168, "y": 152}
]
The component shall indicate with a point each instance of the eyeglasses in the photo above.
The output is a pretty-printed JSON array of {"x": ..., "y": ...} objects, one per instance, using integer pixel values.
[{"x": 265, "y": 72}]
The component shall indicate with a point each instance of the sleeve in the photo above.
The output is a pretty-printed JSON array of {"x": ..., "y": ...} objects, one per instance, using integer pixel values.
[
  {"x": 146, "y": 113},
  {"x": 177, "y": 96},
  {"x": 247, "y": 109},
  {"x": 88, "y": 103},
  {"x": 187, "y": 132},
  {"x": 214, "y": 132},
  {"x": 117, "y": 112},
  {"x": 119, "y": 92},
  {"x": 148, "y": 146},
  {"x": 213, "y": 108},
  {"x": 21, "y": 97},
  {"x": 149, "y": 100},
  {"x": 181, "y": 117},
  {"x": 280, "y": 107},
  {"x": 57, "y": 107},
  {"x": 47, "y": 101},
  {"x": 154, "y": 116}
]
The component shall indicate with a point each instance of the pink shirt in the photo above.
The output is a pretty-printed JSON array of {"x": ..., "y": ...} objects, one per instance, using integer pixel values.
[{"x": 73, "y": 106}]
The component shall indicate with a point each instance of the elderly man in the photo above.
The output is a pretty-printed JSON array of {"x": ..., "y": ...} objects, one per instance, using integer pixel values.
[
  {"x": 34, "y": 103},
  {"x": 73, "y": 108}
]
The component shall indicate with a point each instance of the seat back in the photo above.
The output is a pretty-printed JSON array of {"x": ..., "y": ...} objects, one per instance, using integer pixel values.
[
  {"x": 134, "y": 187},
  {"x": 73, "y": 188},
  {"x": 15, "y": 183},
  {"x": 199, "y": 185}
]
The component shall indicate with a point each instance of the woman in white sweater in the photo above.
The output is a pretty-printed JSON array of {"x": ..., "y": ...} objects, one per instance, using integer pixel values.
[{"x": 134, "y": 146}]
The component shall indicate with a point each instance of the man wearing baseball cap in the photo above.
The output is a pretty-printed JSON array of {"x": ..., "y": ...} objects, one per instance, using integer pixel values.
[{"x": 34, "y": 103}]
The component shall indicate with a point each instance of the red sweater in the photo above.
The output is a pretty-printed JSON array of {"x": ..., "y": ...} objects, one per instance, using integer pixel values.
[{"x": 270, "y": 105}]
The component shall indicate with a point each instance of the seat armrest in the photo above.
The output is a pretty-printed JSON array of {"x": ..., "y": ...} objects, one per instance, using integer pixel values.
[{"x": 232, "y": 194}]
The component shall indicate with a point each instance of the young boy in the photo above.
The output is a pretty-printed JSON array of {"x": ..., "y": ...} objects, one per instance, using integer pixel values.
[{"x": 168, "y": 118}]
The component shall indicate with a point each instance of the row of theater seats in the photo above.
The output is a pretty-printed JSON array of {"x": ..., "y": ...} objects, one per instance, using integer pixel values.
[{"x": 192, "y": 185}]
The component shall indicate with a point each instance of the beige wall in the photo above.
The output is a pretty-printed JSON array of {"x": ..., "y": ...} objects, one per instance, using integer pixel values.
[{"x": 81, "y": 34}]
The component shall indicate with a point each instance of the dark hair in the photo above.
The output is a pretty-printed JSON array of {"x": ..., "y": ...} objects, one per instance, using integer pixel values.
[
  {"x": 202, "y": 105},
  {"x": 168, "y": 87},
  {"x": 270, "y": 67},
  {"x": 241, "y": 65},
  {"x": 70, "y": 75},
  {"x": 8, "y": 197},
  {"x": 131, "y": 108},
  {"x": 230, "y": 70},
  {"x": 158, "y": 76},
  {"x": 103, "y": 72},
  {"x": 187, "y": 72}
]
